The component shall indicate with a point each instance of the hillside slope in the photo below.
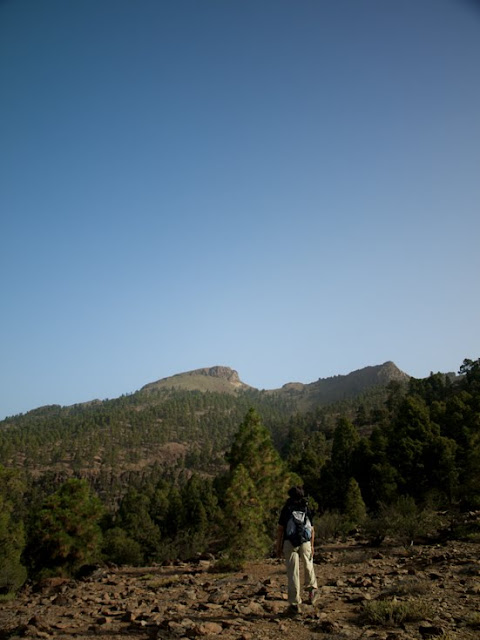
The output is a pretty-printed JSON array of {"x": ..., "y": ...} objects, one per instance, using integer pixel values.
[
  {"x": 186, "y": 421},
  {"x": 342, "y": 387}
]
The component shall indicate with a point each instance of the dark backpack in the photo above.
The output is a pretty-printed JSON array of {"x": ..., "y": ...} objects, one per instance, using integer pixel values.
[{"x": 299, "y": 527}]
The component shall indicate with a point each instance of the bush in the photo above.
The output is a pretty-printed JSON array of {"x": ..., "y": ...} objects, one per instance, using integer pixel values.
[
  {"x": 228, "y": 564},
  {"x": 119, "y": 548},
  {"x": 12, "y": 573},
  {"x": 473, "y": 620},
  {"x": 395, "y": 612},
  {"x": 329, "y": 525},
  {"x": 408, "y": 587},
  {"x": 403, "y": 521}
]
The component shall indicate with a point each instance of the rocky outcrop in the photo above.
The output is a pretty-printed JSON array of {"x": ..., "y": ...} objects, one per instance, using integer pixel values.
[
  {"x": 389, "y": 371},
  {"x": 217, "y": 378},
  {"x": 224, "y": 373}
]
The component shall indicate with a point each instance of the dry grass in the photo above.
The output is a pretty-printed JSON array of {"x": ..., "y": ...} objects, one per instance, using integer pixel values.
[
  {"x": 154, "y": 582},
  {"x": 356, "y": 556},
  {"x": 408, "y": 587},
  {"x": 474, "y": 620},
  {"x": 395, "y": 612}
]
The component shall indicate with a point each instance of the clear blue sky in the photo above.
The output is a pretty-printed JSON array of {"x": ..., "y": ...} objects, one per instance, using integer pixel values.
[{"x": 288, "y": 188}]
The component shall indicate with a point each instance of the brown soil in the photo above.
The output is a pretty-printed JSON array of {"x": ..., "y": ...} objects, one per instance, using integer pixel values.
[{"x": 190, "y": 600}]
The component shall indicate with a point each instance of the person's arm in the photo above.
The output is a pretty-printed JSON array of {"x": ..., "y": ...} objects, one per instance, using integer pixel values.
[
  {"x": 279, "y": 542},
  {"x": 312, "y": 541}
]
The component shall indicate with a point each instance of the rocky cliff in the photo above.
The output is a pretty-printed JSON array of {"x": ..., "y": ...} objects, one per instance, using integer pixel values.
[{"x": 218, "y": 378}]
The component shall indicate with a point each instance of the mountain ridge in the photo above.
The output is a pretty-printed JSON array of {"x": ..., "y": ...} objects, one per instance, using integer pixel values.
[
  {"x": 183, "y": 422},
  {"x": 380, "y": 373},
  {"x": 224, "y": 379}
]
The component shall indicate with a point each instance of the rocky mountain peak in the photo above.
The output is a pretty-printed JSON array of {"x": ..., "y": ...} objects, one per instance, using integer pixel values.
[
  {"x": 218, "y": 378},
  {"x": 389, "y": 371},
  {"x": 226, "y": 373}
]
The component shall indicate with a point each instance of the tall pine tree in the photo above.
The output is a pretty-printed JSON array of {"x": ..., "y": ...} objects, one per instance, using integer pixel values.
[
  {"x": 66, "y": 532},
  {"x": 258, "y": 484}
]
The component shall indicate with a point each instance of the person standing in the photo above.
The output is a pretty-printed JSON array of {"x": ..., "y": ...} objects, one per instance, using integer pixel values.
[{"x": 295, "y": 541}]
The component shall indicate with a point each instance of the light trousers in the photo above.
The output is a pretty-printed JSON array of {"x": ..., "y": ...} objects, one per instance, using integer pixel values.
[{"x": 293, "y": 555}]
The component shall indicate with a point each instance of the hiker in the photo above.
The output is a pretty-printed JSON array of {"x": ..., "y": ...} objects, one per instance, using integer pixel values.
[{"x": 295, "y": 540}]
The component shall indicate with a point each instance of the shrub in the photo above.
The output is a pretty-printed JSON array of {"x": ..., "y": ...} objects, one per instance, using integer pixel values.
[
  {"x": 395, "y": 612},
  {"x": 403, "y": 521},
  {"x": 356, "y": 556},
  {"x": 228, "y": 564},
  {"x": 12, "y": 573},
  {"x": 408, "y": 587},
  {"x": 329, "y": 525},
  {"x": 119, "y": 548},
  {"x": 474, "y": 620}
]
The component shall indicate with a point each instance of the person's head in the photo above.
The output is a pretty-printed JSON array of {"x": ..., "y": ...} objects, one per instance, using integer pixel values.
[{"x": 296, "y": 493}]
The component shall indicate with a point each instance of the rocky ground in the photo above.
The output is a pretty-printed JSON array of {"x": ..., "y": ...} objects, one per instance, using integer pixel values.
[{"x": 442, "y": 583}]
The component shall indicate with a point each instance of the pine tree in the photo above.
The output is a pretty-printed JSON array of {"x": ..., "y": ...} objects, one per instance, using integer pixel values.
[
  {"x": 257, "y": 488},
  {"x": 339, "y": 470},
  {"x": 423, "y": 458},
  {"x": 66, "y": 532},
  {"x": 355, "y": 510},
  {"x": 253, "y": 448},
  {"x": 134, "y": 518},
  {"x": 245, "y": 517},
  {"x": 310, "y": 463}
]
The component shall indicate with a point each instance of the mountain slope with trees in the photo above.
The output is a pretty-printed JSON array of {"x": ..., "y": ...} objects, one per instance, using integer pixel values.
[
  {"x": 188, "y": 419},
  {"x": 342, "y": 387},
  {"x": 383, "y": 460}
]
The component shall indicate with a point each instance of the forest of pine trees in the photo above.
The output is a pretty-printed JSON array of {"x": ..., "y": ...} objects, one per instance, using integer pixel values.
[{"x": 370, "y": 467}]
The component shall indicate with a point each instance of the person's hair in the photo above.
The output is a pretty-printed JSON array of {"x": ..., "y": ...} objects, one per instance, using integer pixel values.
[{"x": 296, "y": 493}]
